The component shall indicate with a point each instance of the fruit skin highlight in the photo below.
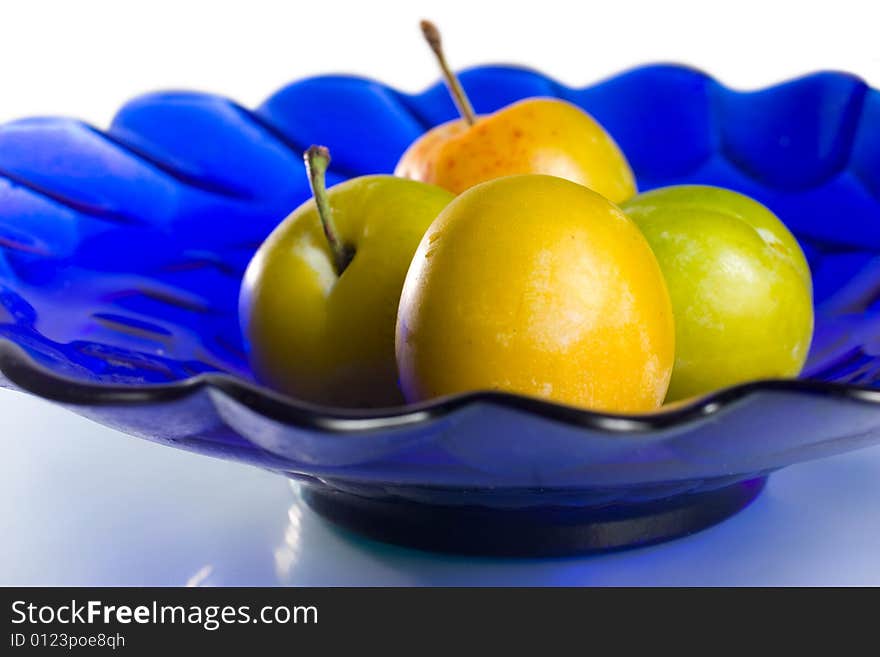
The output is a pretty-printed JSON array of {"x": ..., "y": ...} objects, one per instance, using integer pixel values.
[
  {"x": 536, "y": 135},
  {"x": 740, "y": 286},
  {"x": 536, "y": 285},
  {"x": 327, "y": 337}
]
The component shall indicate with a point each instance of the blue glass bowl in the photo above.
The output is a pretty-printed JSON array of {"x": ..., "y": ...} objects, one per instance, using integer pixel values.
[{"x": 121, "y": 254}]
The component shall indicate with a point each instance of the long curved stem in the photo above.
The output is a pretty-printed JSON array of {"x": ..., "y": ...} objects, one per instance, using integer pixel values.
[{"x": 462, "y": 102}]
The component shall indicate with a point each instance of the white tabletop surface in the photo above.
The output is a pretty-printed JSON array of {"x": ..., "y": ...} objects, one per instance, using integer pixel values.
[{"x": 81, "y": 504}]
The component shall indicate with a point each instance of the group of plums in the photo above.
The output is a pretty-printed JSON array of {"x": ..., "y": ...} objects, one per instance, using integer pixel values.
[{"x": 510, "y": 252}]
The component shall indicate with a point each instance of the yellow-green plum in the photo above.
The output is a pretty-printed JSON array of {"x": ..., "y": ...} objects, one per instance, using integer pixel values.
[
  {"x": 539, "y": 286},
  {"x": 319, "y": 299},
  {"x": 740, "y": 286}
]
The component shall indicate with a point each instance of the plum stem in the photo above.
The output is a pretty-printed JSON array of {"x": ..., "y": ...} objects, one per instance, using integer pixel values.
[
  {"x": 317, "y": 159},
  {"x": 432, "y": 36}
]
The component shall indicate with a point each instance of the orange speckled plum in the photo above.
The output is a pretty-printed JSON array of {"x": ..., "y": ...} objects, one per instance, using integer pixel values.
[{"x": 536, "y": 135}]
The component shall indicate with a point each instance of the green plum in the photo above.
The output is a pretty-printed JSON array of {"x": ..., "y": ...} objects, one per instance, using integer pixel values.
[
  {"x": 319, "y": 299},
  {"x": 740, "y": 286}
]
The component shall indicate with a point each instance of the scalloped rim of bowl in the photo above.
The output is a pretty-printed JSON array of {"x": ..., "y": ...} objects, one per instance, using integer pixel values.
[{"x": 29, "y": 376}]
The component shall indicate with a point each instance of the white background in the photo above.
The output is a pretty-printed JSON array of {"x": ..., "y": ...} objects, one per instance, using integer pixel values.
[
  {"x": 82, "y": 504},
  {"x": 85, "y": 58}
]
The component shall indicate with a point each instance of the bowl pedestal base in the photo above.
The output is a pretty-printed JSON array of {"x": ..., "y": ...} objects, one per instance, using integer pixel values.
[{"x": 530, "y": 532}]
